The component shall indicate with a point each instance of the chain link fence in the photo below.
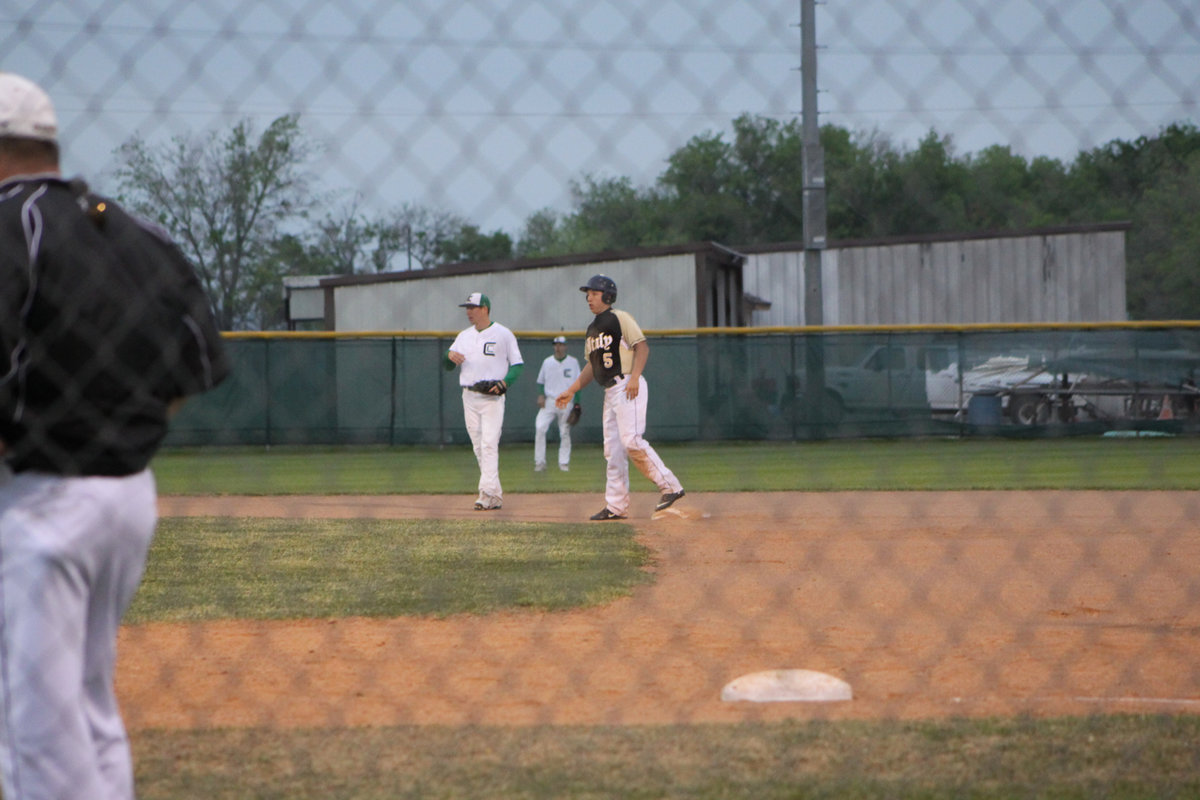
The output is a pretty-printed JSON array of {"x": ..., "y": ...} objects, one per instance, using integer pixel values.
[
  {"x": 1031, "y": 381},
  {"x": 504, "y": 114}
]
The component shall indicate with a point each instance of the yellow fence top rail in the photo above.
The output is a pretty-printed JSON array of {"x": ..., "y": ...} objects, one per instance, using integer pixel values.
[{"x": 759, "y": 331}]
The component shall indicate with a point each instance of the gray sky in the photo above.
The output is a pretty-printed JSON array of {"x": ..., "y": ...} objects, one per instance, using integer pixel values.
[{"x": 489, "y": 109}]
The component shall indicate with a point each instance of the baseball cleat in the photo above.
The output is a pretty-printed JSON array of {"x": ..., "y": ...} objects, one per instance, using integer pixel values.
[
  {"x": 487, "y": 503},
  {"x": 539, "y": 467},
  {"x": 564, "y": 467},
  {"x": 604, "y": 514},
  {"x": 668, "y": 499}
]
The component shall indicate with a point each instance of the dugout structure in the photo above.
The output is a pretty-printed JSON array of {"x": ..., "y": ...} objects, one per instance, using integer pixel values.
[{"x": 728, "y": 384}]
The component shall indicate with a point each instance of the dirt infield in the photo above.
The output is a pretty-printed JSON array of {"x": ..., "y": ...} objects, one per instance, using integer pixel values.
[{"x": 928, "y": 604}]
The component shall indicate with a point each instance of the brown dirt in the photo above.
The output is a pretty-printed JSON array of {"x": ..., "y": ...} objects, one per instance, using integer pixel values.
[{"x": 928, "y": 604}]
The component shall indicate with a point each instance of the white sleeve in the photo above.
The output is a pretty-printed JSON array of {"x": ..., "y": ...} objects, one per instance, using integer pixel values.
[
  {"x": 459, "y": 346},
  {"x": 514, "y": 350}
]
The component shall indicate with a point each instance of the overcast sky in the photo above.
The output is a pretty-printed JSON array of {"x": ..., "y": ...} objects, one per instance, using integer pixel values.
[{"x": 489, "y": 109}]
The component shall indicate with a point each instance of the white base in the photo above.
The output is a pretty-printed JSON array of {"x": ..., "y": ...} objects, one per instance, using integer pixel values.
[{"x": 786, "y": 685}]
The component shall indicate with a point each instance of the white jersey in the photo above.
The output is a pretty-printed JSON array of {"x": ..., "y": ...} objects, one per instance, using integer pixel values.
[
  {"x": 557, "y": 376},
  {"x": 489, "y": 352}
]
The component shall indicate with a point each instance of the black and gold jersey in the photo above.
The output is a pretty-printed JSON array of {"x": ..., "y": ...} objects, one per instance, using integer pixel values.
[{"x": 609, "y": 345}]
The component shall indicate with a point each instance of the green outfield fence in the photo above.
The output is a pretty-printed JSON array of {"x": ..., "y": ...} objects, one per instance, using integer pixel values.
[{"x": 743, "y": 384}]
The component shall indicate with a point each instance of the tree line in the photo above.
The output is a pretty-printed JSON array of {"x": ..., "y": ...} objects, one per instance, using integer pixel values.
[{"x": 247, "y": 210}]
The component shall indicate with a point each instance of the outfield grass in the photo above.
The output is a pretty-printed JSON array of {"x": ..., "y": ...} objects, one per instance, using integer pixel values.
[{"x": 935, "y": 464}]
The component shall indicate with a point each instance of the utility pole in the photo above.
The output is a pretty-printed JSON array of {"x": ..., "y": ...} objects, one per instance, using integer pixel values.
[{"x": 814, "y": 219}]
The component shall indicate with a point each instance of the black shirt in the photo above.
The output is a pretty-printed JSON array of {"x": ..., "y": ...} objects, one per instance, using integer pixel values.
[
  {"x": 609, "y": 345},
  {"x": 103, "y": 323}
]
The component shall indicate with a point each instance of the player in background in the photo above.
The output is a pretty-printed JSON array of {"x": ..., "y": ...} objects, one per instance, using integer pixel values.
[
  {"x": 104, "y": 328},
  {"x": 557, "y": 373},
  {"x": 616, "y": 352},
  {"x": 486, "y": 351}
]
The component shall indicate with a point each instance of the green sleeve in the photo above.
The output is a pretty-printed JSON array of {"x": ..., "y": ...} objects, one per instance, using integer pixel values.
[{"x": 514, "y": 372}]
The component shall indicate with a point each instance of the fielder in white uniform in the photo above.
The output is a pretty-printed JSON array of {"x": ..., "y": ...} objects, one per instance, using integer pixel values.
[
  {"x": 486, "y": 351},
  {"x": 104, "y": 327},
  {"x": 616, "y": 351},
  {"x": 557, "y": 373}
]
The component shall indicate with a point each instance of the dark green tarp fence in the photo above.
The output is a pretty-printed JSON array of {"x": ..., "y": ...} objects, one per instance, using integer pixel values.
[{"x": 1025, "y": 380}]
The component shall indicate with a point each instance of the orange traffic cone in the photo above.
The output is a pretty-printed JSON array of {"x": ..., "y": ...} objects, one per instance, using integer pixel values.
[{"x": 1166, "y": 412}]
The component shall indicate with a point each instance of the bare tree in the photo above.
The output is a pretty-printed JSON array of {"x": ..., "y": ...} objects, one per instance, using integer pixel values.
[
  {"x": 226, "y": 199},
  {"x": 423, "y": 232}
]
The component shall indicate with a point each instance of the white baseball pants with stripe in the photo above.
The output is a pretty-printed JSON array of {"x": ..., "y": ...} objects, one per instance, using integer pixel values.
[
  {"x": 484, "y": 416},
  {"x": 72, "y": 552},
  {"x": 624, "y": 426},
  {"x": 541, "y": 426}
]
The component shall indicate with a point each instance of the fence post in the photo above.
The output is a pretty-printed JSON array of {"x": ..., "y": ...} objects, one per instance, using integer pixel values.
[{"x": 394, "y": 397}]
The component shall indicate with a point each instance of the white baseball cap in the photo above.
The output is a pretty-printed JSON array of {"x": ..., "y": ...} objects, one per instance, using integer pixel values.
[
  {"x": 25, "y": 110},
  {"x": 560, "y": 340}
]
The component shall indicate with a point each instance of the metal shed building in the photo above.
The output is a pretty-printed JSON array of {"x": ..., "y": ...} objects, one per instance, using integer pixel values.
[
  {"x": 690, "y": 286},
  {"x": 1060, "y": 274}
]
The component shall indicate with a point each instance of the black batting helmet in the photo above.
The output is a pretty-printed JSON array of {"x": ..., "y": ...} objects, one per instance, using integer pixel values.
[{"x": 604, "y": 284}]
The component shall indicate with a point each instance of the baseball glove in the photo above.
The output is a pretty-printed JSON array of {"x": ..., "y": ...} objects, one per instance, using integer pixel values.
[
  {"x": 576, "y": 413},
  {"x": 489, "y": 387}
]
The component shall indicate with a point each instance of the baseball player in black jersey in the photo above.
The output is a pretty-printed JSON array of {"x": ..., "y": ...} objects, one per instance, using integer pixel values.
[
  {"x": 104, "y": 328},
  {"x": 617, "y": 351}
]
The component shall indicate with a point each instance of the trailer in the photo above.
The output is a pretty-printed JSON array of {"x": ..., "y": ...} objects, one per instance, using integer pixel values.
[{"x": 1088, "y": 386}]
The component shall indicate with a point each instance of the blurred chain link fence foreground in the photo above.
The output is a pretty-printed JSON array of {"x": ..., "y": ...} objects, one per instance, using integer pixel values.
[{"x": 928, "y": 604}]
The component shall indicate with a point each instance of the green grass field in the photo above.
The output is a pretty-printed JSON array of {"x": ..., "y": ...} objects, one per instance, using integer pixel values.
[
  {"x": 1116, "y": 758},
  {"x": 937, "y": 464},
  {"x": 227, "y": 568},
  {"x": 201, "y": 569}
]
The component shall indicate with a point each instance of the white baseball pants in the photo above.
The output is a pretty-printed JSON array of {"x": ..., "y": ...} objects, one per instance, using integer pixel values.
[
  {"x": 484, "y": 417},
  {"x": 72, "y": 552},
  {"x": 541, "y": 425},
  {"x": 624, "y": 425}
]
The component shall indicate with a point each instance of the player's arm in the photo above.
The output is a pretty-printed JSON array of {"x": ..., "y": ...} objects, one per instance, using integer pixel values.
[
  {"x": 641, "y": 354},
  {"x": 510, "y": 377},
  {"x": 585, "y": 377},
  {"x": 541, "y": 386},
  {"x": 452, "y": 359},
  {"x": 14, "y": 277},
  {"x": 14, "y": 269}
]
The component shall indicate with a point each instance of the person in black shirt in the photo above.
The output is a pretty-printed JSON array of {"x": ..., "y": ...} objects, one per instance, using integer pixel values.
[
  {"x": 617, "y": 351},
  {"x": 104, "y": 329}
]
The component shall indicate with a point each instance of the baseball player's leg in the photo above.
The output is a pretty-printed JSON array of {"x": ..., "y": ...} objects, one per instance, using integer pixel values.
[
  {"x": 540, "y": 426},
  {"x": 564, "y": 438},
  {"x": 616, "y": 487},
  {"x": 60, "y": 731},
  {"x": 473, "y": 419},
  {"x": 491, "y": 425},
  {"x": 117, "y": 581},
  {"x": 631, "y": 418}
]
